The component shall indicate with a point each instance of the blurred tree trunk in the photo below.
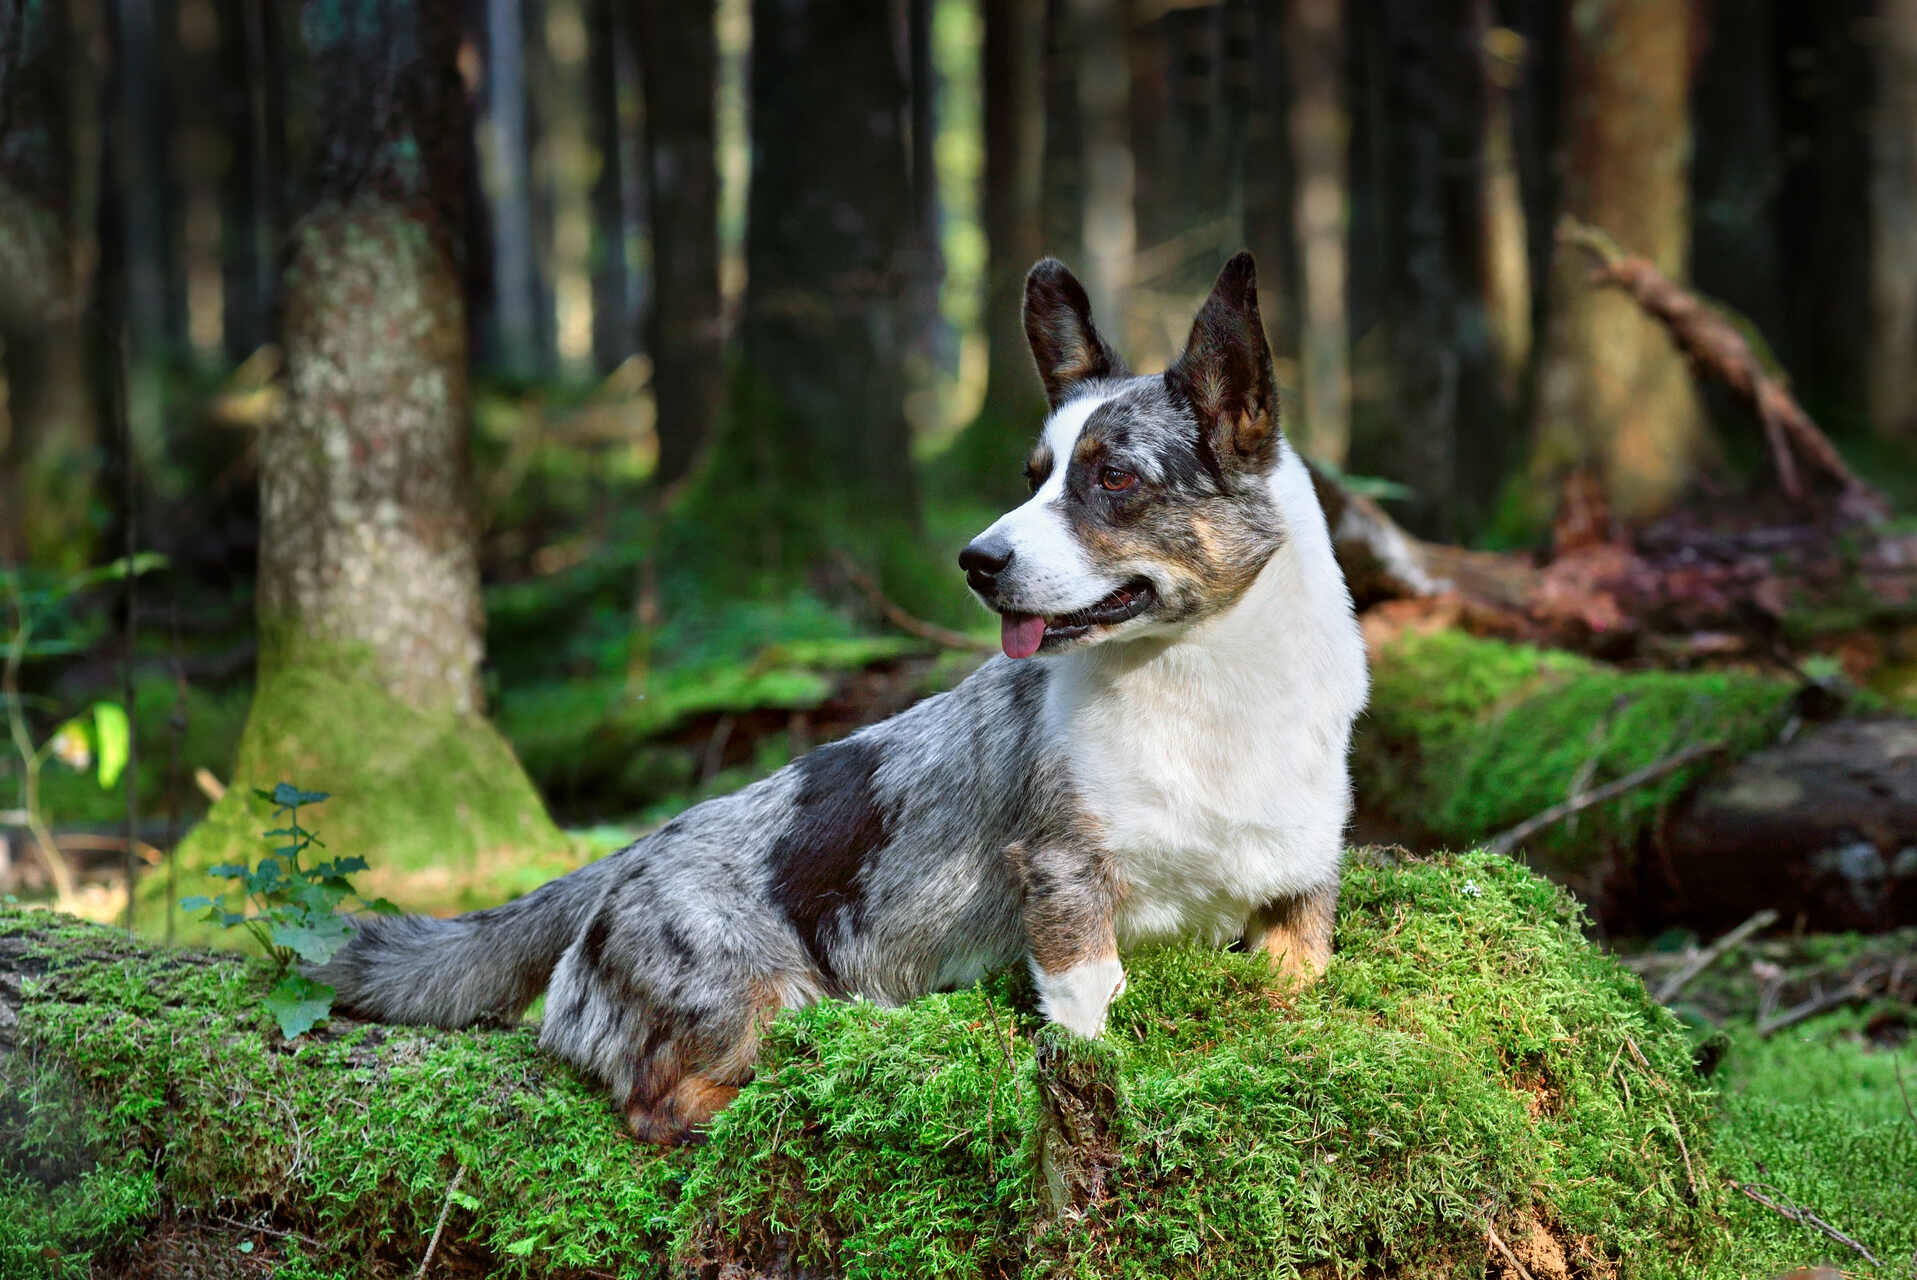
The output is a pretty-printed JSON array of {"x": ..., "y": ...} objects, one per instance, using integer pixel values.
[
  {"x": 514, "y": 329},
  {"x": 613, "y": 338},
  {"x": 986, "y": 457},
  {"x": 1319, "y": 129},
  {"x": 48, "y": 436},
  {"x": 253, "y": 106},
  {"x": 369, "y": 611},
  {"x": 1893, "y": 329},
  {"x": 1270, "y": 185},
  {"x": 929, "y": 337},
  {"x": 1104, "y": 104},
  {"x": 817, "y": 446},
  {"x": 1062, "y": 193},
  {"x": 1430, "y": 409},
  {"x": 1614, "y": 397},
  {"x": 678, "y": 61}
]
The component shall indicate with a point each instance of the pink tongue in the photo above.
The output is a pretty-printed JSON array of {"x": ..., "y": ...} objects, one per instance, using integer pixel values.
[{"x": 1021, "y": 634}]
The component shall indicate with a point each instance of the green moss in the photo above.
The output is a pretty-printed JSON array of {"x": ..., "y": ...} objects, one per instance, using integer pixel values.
[
  {"x": 1817, "y": 1116},
  {"x": 426, "y": 798},
  {"x": 1466, "y": 737},
  {"x": 1468, "y": 1058}
]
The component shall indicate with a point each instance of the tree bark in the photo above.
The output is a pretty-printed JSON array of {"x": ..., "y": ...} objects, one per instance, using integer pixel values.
[
  {"x": 48, "y": 435},
  {"x": 1893, "y": 200},
  {"x": 1104, "y": 104},
  {"x": 1062, "y": 196},
  {"x": 817, "y": 432},
  {"x": 1613, "y": 398},
  {"x": 985, "y": 458},
  {"x": 1319, "y": 128},
  {"x": 678, "y": 60},
  {"x": 253, "y": 104},
  {"x": 514, "y": 327},
  {"x": 613, "y": 338}
]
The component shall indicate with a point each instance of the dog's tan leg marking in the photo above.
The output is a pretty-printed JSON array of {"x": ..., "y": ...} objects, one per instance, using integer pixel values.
[
  {"x": 1295, "y": 933},
  {"x": 686, "y": 1107},
  {"x": 670, "y": 1102}
]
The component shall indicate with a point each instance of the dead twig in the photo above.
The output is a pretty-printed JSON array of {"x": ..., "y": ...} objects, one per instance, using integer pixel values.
[
  {"x": 275, "y": 1232},
  {"x": 445, "y": 1211},
  {"x": 1505, "y": 1249},
  {"x": 1710, "y": 955},
  {"x": 896, "y": 614},
  {"x": 1713, "y": 345},
  {"x": 1858, "y": 988},
  {"x": 1797, "y": 1213},
  {"x": 1506, "y": 841}
]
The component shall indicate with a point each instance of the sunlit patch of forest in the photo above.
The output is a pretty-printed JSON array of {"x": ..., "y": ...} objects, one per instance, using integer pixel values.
[{"x": 514, "y": 424}]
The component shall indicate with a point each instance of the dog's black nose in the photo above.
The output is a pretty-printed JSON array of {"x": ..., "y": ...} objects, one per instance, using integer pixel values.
[{"x": 985, "y": 559}]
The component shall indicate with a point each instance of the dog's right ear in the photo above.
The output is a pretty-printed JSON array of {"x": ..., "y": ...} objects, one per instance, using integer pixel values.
[{"x": 1058, "y": 323}]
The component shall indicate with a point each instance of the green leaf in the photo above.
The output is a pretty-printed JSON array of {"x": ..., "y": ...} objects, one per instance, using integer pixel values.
[
  {"x": 381, "y": 907},
  {"x": 113, "y": 737},
  {"x": 246, "y": 1246},
  {"x": 198, "y": 902},
  {"x": 315, "y": 938},
  {"x": 297, "y": 1003},
  {"x": 229, "y": 871},
  {"x": 288, "y": 796},
  {"x": 523, "y": 1246},
  {"x": 348, "y": 866}
]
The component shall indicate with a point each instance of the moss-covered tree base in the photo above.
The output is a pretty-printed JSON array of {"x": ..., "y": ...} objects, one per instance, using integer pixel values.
[
  {"x": 435, "y": 802},
  {"x": 1469, "y": 1062}
]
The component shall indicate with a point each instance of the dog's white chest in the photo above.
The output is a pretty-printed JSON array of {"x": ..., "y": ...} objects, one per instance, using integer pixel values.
[{"x": 1210, "y": 806}]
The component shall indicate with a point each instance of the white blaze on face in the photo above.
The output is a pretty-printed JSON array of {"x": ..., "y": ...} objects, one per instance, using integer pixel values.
[{"x": 1050, "y": 573}]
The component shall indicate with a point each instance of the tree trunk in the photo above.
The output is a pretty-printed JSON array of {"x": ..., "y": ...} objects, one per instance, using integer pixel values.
[
  {"x": 48, "y": 436},
  {"x": 986, "y": 457},
  {"x": 1062, "y": 193},
  {"x": 1104, "y": 103},
  {"x": 678, "y": 60},
  {"x": 369, "y": 611},
  {"x": 817, "y": 434},
  {"x": 1270, "y": 186},
  {"x": 1613, "y": 397},
  {"x": 1319, "y": 126},
  {"x": 1893, "y": 199},
  {"x": 515, "y": 274},
  {"x": 253, "y": 105},
  {"x": 613, "y": 338}
]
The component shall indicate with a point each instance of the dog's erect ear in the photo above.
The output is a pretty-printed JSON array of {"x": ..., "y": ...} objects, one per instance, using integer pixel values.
[
  {"x": 1226, "y": 371},
  {"x": 1058, "y": 324}
]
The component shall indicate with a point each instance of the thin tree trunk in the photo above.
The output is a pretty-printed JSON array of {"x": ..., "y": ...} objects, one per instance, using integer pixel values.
[
  {"x": 252, "y": 98},
  {"x": 1012, "y": 87},
  {"x": 1270, "y": 202},
  {"x": 1062, "y": 208},
  {"x": 613, "y": 338},
  {"x": 1104, "y": 103},
  {"x": 47, "y": 429},
  {"x": 1613, "y": 397},
  {"x": 1893, "y": 199},
  {"x": 678, "y": 59},
  {"x": 1319, "y": 126},
  {"x": 515, "y": 293}
]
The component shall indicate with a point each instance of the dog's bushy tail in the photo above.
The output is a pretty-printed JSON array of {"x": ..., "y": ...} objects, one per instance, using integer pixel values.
[{"x": 482, "y": 968}]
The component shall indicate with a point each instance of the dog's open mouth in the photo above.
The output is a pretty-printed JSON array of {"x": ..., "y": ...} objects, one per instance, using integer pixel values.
[{"x": 1023, "y": 634}]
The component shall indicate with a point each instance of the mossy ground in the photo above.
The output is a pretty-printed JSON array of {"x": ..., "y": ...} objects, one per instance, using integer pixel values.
[
  {"x": 1466, "y": 737},
  {"x": 1469, "y": 1059}
]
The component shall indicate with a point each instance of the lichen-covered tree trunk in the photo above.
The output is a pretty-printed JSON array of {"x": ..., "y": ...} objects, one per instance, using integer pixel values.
[
  {"x": 369, "y": 614},
  {"x": 678, "y": 59},
  {"x": 1612, "y": 396}
]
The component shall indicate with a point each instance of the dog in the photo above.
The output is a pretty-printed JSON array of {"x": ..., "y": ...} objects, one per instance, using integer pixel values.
[{"x": 1160, "y": 753}]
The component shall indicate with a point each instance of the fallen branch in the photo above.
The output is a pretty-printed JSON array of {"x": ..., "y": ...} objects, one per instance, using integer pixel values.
[
  {"x": 1714, "y": 346},
  {"x": 1505, "y": 1249},
  {"x": 912, "y": 625},
  {"x": 1858, "y": 988},
  {"x": 1506, "y": 841},
  {"x": 1797, "y": 1213},
  {"x": 1709, "y": 956},
  {"x": 445, "y": 1210}
]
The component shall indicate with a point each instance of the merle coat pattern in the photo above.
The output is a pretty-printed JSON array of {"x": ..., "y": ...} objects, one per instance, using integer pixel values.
[{"x": 1173, "y": 765}]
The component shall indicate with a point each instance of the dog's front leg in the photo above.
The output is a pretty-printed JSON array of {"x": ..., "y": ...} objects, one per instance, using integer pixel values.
[
  {"x": 1295, "y": 932},
  {"x": 1069, "y": 899}
]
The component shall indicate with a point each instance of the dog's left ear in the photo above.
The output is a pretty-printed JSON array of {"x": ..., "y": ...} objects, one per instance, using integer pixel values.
[{"x": 1226, "y": 371}]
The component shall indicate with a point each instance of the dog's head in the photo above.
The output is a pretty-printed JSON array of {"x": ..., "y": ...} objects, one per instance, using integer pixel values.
[{"x": 1151, "y": 505}]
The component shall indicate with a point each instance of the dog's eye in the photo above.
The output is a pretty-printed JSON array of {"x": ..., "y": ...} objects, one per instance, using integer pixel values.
[{"x": 1115, "y": 480}]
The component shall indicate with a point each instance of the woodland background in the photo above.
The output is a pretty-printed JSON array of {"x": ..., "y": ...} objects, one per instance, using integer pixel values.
[{"x": 525, "y": 419}]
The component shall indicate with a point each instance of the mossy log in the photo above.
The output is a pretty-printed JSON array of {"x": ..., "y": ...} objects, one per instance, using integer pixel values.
[
  {"x": 1467, "y": 738},
  {"x": 1469, "y": 1063}
]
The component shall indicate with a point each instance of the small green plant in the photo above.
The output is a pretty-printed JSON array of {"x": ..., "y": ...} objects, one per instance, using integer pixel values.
[
  {"x": 295, "y": 909},
  {"x": 103, "y": 735}
]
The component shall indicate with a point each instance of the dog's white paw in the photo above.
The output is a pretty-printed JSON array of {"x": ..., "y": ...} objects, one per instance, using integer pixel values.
[{"x": 1077, "y": 998}]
